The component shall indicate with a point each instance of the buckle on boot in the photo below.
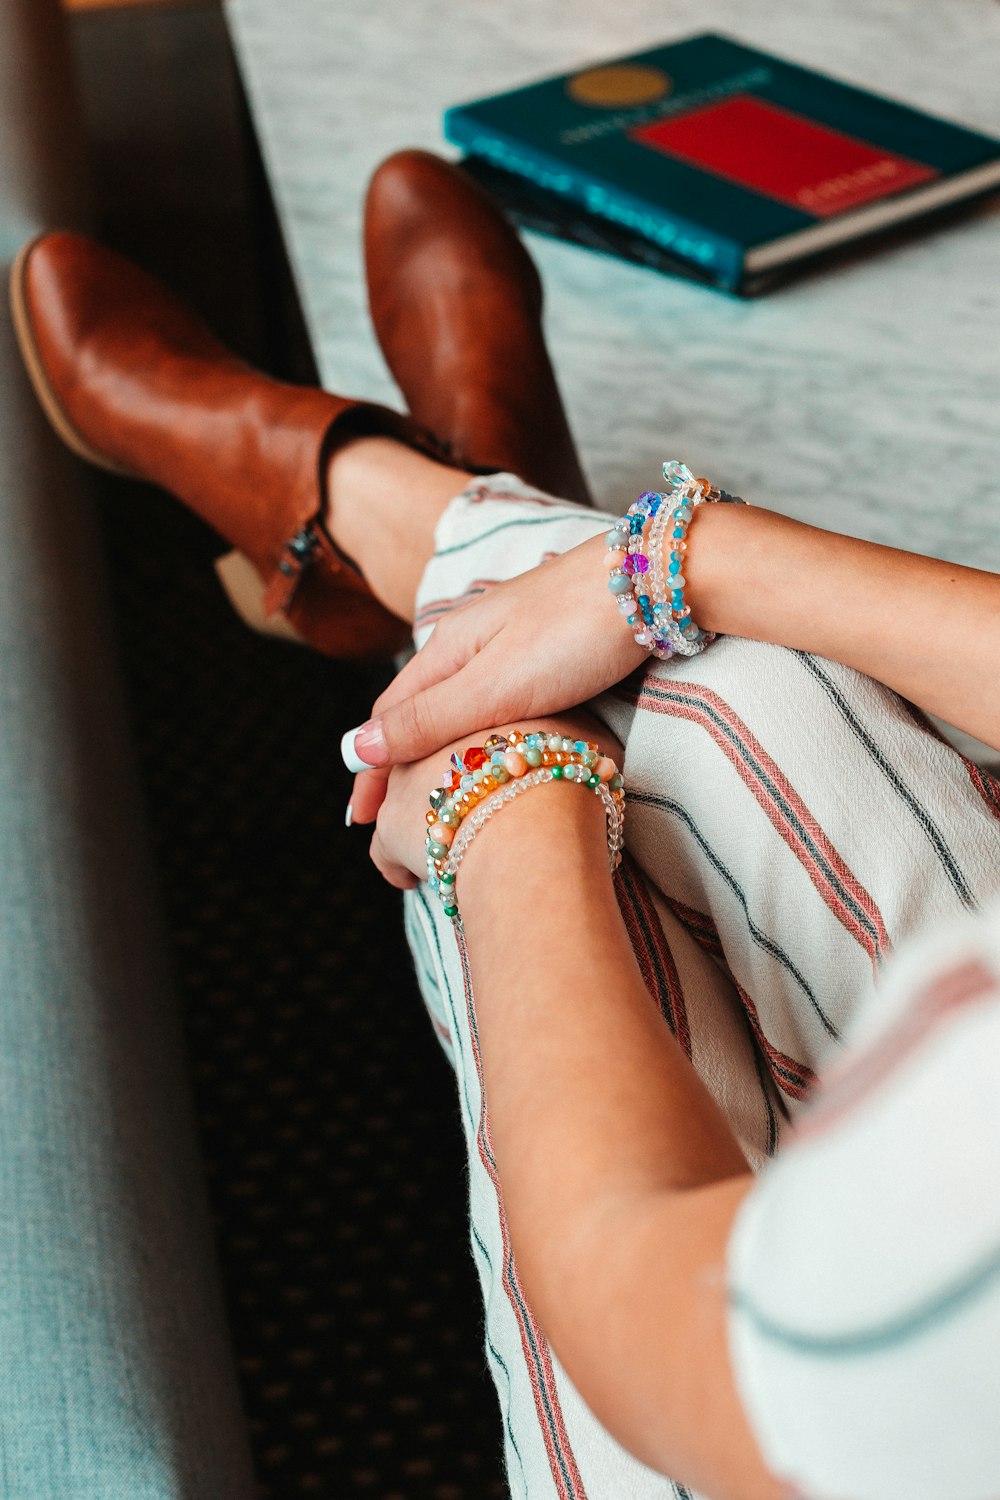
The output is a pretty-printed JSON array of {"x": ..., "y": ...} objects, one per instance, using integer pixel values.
[{"x": 299, "y": 554}]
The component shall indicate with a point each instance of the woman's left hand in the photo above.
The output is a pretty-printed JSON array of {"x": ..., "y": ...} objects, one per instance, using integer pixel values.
[{"x": 397, "y": 846}]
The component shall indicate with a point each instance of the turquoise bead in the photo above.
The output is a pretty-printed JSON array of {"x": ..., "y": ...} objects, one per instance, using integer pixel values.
[
  {"x": 620, "y": 583},
  {"x": 580, "y": 746},
  {"x": 500, "y": 774}
]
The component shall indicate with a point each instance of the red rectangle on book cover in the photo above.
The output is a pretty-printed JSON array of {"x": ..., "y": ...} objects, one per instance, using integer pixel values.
[{"x": 783, "y": 155}]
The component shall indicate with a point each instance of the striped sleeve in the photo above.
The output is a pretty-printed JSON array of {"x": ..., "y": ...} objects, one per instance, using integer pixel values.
[{"x": 864, "y": 1268}]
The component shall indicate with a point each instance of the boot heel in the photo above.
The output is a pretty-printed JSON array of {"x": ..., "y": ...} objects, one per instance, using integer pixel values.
[{"x": 245, "y": 591}]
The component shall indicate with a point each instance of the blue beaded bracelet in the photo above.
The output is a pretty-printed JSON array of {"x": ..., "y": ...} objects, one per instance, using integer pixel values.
[{"x": 649, "y": 594}]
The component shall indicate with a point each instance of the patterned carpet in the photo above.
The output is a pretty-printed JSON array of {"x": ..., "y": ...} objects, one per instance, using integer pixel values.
[{"x": 327, "y": 1111}]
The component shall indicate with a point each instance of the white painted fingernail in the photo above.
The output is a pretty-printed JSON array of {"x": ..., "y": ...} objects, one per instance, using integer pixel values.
[
  {"x": 349, "y": 816},
  {"x": 352, "y": 760},
  {"x": 365, "y": 746}
]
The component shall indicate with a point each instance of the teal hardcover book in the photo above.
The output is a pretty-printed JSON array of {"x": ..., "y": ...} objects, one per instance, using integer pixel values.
[{"x": 723, "y": 158}]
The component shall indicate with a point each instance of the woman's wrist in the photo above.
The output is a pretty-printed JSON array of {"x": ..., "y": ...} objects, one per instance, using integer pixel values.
[
  {"x": 726, "y": 552},
  {"x": 648, "y": 555},
  {"x": 543, "y": 847},
  {"x": 484, "y": 780},
  {"x": 755, "y": 573}
]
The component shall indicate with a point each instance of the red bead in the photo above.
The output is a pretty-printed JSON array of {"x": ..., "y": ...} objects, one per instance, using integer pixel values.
[{"x": 474, "y": 759}]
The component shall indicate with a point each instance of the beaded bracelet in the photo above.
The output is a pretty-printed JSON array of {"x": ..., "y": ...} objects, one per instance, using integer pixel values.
[
  {"x": 659, "y": 616},
  {"x": 481, "y": 781}
]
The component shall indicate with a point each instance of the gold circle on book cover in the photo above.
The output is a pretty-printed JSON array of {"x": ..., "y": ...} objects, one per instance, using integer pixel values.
[{"x": 621, "y": 84}]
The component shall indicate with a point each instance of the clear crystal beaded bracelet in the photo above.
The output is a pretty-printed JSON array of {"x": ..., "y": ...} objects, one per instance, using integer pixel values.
[
  {"x": 646, "y": 576},
  {"x": 482, "y": 780}
]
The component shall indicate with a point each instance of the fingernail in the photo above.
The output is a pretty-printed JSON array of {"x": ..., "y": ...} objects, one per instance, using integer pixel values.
[
  {"x": 349, "y": 816},
  {"x": 364, "y": 747}
]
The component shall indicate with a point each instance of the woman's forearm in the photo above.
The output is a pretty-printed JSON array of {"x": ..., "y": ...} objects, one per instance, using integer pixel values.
[
  {"x": 928, "y": 629},
  {"x": 620, "y": 1175}
]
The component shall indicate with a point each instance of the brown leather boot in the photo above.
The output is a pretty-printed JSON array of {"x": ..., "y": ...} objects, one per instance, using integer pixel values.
[
  {"x": 457, "y": 303},
  {"x": 134, "y": 382}
]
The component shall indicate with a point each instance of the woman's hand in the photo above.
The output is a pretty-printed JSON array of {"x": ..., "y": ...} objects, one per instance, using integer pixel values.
[
  {"x": 538, "y": 644},
  {"x": 397, "y": 847}
]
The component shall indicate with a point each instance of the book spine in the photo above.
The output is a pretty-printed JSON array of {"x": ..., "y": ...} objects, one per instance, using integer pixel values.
[{"x": 722, "y": 259}]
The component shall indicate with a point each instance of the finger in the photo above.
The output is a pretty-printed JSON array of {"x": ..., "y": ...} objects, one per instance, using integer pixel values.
[
  {"x": 363, "y": 746},
  {"x": 419, "y": 725},
  {"x": 396, "y": 874},
  {"x": 456, "y": 639},
  {"x": 368, "y": 794}
]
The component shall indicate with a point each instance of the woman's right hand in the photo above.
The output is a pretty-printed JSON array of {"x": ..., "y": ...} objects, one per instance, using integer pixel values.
[{"x": 538, "y": 644}]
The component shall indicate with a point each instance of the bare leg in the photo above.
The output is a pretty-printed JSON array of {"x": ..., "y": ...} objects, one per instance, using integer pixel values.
[{"x": 383, "y": 504}]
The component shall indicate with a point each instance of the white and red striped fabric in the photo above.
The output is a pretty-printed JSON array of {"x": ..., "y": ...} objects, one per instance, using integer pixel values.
[
  {"x": 865, "y": 1267},
  {"x": 790, "y": 822}
]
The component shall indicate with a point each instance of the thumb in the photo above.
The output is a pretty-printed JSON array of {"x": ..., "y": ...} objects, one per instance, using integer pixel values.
[
  {"x": 453, "y": 646},
  {"x": 418, "y": 725},
  {"x": 454, "y": 643}
]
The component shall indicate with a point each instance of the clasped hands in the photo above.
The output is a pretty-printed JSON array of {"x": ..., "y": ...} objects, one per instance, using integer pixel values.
[{"x": 525, "y": 652}]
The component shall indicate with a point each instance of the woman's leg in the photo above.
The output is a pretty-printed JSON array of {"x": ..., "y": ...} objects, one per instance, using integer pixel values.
[
  {"x": 384, "y": 502},
  {"x": 797, "y": 818},
  {"x": 793, "y": 817},
  {"x": 788, "y": 822}
]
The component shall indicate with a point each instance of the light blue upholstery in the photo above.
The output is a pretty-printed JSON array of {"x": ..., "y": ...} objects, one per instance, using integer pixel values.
[{"x": 116, "y": 1377}]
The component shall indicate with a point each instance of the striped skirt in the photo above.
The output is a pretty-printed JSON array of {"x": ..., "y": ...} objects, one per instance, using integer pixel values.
[{"x": 790, "y": 822}]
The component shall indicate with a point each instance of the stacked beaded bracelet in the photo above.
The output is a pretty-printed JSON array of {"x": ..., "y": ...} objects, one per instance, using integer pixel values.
[
  {"x": 650, "y": 595},
  {"x": 481, "y": 781}
]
